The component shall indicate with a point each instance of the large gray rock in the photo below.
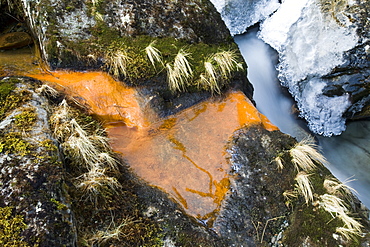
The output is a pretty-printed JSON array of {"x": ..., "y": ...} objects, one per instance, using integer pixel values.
[{"x": 31, "y": 171}]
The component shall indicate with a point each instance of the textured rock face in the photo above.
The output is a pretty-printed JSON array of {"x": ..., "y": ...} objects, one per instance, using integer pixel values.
[
  {"x": 253, "y": 211},
  {"x": 353, "y": 76},
  {"x": 58, "y": 25},
  {"x": 195, "y": 21},
  {"x": 32, "y": 174},
  {"x": 257, "y": 187},
  {"x": 258, "y": 210}
]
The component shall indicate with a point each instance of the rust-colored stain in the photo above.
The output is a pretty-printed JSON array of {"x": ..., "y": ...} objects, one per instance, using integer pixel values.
[
  {"x": 108, "y": 99},
  {"x": 184, "y": 154}
]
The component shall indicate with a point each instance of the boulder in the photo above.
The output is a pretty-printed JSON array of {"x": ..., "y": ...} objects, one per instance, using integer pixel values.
[
  {"x": 14, "y": 40},
  {"x": 32, "y": 173}
]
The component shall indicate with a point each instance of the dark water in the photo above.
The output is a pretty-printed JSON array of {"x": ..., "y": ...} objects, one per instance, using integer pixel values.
[{"x": 348, "y": 154}]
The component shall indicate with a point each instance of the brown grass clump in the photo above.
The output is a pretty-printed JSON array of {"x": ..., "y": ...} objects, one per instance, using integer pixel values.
[
  {"x": 218, "y": 68},
  {"x": 113, "y": 232},
  {"x": 118, "y": 61},
  {"x": 336, "y": 207},
  {"x": 47, "y": 91},
  {"x": 95, "y": 182},
  {"x": 335, "y": 187}
]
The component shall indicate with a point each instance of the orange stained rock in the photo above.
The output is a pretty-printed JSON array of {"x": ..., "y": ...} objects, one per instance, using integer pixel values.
[
  {"x": 185, "y": 154},
  {"x": 107, "y": 98}
]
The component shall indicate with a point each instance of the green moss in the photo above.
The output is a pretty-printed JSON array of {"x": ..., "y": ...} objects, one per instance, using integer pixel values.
[
  {"x": 315, "y": 223},
  {"x": 10, "y": 228},
  {"x": 48, "y": 145},
  {"x": 58, "y": 204},
  {"x": 6, "y": 86},
  {"x": 26, "y": 119},
  {"x": 13, "y": 143},
  {"x": 141, "y": 68},
  {"x": 106, "y": 41},
  {"x": 12, "y": 100}
]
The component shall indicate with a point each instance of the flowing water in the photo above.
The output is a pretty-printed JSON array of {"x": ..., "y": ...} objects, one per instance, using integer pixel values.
[
  {"x": 348, "y": 154},
  {"x": 268, "y": 94}
]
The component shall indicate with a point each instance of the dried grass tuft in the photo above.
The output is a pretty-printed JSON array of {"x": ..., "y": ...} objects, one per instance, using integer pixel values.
[
  {"x": 304, "y": 186},
  {"x": 118, "y": 61},
  {"x": 180, "y": 72},
  {"x": 279, "y": 163},
  {"x": 95, "y": 181},
  {"x": 335, "y": 187},
  {"x": 218, "y": 68},
  {"x": 47, "y": 91},
  {"x": 336, "y": 207},
  {"x": 305, "y": 155},
  {"x": 154, "y": 54},
  {"x": 113, "y": 232}
]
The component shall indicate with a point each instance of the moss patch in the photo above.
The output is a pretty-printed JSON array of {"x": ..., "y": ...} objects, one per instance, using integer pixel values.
[
  {"x": 9, "y": 98},
  {"x": 58, "y": 204},
  {"x": 6, "y": 86},
  {"x": 14, "y": 143},
  {"x": 315, "y": 223},
  {"x": 26, "y": 119},
  {"x": 100, "y": 216},
  {"x": 105, "y": 42},
  {"x": 10, "y": 228}
]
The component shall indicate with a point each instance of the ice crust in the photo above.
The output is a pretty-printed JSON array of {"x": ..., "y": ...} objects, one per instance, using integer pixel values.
[
  {"x": 310, "y": 45},
  {"x": 238, "y": 15}
]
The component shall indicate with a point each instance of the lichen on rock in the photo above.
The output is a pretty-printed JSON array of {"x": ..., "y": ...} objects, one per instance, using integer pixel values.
[{"x": 31, "y": 172}]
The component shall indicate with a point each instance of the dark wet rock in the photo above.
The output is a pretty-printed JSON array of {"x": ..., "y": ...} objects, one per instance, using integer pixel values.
[
  {"x": 196, "y": 21},
  {"x": 79, "y": 35},
  {"x": 257, "y": 187},
  {"x": 255, "y": 212},
  {"x": 166, "y": 103},
  {"x": 14, "y": 40},
  {"x": 31, "y": 171},
  {"x": 178, "y": 228},
  {"x": 353, "y": 78}
]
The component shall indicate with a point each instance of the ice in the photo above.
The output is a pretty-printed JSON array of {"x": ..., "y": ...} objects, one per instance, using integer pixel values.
[
  {"x": 323, "y": 113},
  {"x": 310, "y": 45},
  {"x": 275, "y": 30},
  {"x": 238, "y": 15}
]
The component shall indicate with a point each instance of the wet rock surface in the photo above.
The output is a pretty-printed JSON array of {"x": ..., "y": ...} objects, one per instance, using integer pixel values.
[
  {"x": 353, "y": 78},
  {"x": 255, "y": 208},
  {"x": 60, "y": 28}
]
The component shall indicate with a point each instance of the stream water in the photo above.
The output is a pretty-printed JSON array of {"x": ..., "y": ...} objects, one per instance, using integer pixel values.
[{"x": 348, "y": 154}]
